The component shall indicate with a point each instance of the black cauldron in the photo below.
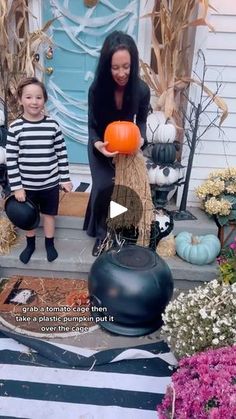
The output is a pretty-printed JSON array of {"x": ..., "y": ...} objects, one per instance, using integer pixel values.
[
  {"x": 129, "y": 290},
  {"x": 24, "y": 215}
]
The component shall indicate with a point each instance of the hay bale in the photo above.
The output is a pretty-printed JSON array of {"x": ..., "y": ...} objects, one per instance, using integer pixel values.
[{"x": 8, "y": 235}]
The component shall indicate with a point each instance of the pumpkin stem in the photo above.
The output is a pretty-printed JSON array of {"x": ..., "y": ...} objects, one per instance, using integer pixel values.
[{"x": 195, "y": 240}]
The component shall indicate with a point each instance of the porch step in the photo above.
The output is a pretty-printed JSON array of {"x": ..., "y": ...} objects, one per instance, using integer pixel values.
[{"x": 75, "y": 258}]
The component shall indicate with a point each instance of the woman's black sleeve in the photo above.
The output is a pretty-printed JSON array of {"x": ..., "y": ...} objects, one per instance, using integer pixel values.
[
  {"x": 144, "y": 106},
  {"x": 92, "y": 123}
]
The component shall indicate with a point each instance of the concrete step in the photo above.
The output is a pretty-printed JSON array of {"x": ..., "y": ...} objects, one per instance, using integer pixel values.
[
  {"x": 75, "y": 260},
  {"x": 75, "y": 253},
  {"x": 68, "y": 227},
  {"x": 199, "y": 227}
]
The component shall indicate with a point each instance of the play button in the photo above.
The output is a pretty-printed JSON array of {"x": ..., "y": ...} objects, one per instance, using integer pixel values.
[
  {"x": 125, "y": 208},
  {"x": 116, "y": 209}
]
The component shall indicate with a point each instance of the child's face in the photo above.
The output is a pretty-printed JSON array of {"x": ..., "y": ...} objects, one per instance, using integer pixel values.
[{"x": 32, "y": 100}]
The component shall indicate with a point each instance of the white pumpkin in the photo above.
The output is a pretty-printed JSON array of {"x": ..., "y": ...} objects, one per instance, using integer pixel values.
[
  {"x": 152, "y": 176},
  {"x": 166, "y": 133},
  {"x": 153, "y": 121},
  {"x": 167, "y": 175},
  {"x": 2, "y": 155},
  {"x": 163, "y": 176}
]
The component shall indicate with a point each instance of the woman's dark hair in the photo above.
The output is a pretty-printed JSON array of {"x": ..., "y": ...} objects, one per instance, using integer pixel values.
[
  {"x": 30, "y": 80},
  {"x": 104, "y": 84}
]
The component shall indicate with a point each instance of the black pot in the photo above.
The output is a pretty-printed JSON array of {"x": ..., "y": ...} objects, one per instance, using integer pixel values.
[
  {"x": 129, "y": 290},
  {"x": 24, "y": 215}
]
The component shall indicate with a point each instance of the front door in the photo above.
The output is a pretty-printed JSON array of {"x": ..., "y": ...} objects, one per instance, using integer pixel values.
[{"x": 78, "y": 33}]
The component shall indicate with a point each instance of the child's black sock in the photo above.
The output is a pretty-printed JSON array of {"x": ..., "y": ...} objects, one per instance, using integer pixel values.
[
  {"x": 29, "y": 250},
  {"x": 50, "y": 249}
]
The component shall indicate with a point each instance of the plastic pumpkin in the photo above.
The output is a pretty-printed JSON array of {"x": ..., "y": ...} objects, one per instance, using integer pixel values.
[
  {"x": 134, "y": 285},
  {"x": 122, "y": 136},
  {"x": 166, "y": 133},
  {"x": 198, "y": 250},
  {"x": 154, "y": 119},
  {"x": 163, "y": 176},
  {"x": 163, "y": 153}
]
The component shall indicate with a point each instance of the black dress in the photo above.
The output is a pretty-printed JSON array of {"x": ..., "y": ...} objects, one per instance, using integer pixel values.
[{"x": 102, "y": 168}]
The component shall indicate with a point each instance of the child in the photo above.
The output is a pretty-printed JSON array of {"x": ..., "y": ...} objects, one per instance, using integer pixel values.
[{"x": 37, "y": 161}]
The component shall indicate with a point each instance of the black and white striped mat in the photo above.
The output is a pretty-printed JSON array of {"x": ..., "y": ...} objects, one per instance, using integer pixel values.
[{"x": 40, "y": 380}]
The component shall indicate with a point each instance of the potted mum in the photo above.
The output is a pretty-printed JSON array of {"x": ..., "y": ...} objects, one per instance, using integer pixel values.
[
  {"x": 201, "y": 319},
  {"x": 218, "y": 194},
  {"x": 227, "y": 263},
  {"x": 204, "y": 387}
]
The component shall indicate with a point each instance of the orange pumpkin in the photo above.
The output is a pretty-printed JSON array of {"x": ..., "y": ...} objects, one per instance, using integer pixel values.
[{"x": 122, "y": 136}]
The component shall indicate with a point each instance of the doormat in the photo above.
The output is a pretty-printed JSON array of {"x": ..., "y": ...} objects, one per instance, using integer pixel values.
[
  {"x": 73, "y": 203},
  {"x": 46, "y": 307}
]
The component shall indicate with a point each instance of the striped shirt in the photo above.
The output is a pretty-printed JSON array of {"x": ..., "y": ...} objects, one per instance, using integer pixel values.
[{"x": 36, "y": 154}]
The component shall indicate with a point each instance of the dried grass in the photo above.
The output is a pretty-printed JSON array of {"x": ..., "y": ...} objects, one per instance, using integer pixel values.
[
  {"x": 8, "y": 235},
  {"x": 131, "y": 172},
  {"x": 174, "y": 19}
]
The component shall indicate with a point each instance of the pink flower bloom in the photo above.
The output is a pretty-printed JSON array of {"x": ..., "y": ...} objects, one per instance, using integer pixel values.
[{"x": 204, "y": 387}]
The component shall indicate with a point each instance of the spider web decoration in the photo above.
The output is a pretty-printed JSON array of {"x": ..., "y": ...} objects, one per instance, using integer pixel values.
[{"x": 71, "y": 113}]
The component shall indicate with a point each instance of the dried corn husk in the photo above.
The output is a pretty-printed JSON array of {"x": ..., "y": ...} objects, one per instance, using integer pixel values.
[
  {"x": 8, "y": 235},
  {"x": 174, "y": 18},
  {"x": 166, "y": 247},
  {"x": 18, "y": 49}
]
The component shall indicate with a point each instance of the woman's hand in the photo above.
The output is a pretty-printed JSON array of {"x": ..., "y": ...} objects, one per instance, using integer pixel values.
[
  {"x": 20, "y": 195},
  {"x": 101, "y": 146},
  {"x": 67, "y": 186}
]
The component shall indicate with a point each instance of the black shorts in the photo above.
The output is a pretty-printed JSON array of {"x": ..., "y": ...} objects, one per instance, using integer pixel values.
[{"x": 46, "y": 199}]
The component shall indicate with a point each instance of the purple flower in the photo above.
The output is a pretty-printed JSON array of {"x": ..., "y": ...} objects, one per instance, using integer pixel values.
[{"x": 204, "y": 387}]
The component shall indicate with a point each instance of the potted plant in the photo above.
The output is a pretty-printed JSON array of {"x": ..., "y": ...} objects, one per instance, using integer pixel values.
[
  {"x": 227, "y": 263},
  {"x": 218, "y": 195},
  {"x": 203, "y": 387},
  {"x": 201, "y": 319}
]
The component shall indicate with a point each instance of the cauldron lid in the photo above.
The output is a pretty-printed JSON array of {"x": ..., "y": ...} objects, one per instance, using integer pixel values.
[
  {"x": 135, "y": 257},
  {"x": 24, "y": 215}
]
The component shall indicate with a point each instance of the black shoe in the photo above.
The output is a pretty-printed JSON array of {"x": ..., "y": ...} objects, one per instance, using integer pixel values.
[{"x": 97, "y": 248}]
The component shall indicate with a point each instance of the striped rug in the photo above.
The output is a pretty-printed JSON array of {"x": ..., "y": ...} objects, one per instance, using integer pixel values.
[{"x": 41, "y": 380}]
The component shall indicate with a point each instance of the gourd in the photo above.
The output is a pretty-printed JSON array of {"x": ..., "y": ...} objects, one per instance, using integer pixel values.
[
  {"x": 2, "y": 155},
  {"x": 163, "y": 176},
  {"x": 198, "y": 250},
  {"x": 166, "y": 133},
  {"x": 153, "y": 121},
  {"x": 163, "y": 153},
  {"x": 122, "y": 136}
]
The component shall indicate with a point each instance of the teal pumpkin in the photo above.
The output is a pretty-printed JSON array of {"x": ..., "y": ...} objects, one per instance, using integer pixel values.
[{"x": 198, "y": 250}]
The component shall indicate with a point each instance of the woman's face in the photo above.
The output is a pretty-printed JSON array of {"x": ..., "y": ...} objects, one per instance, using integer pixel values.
[{"x": 120, "y": 67}]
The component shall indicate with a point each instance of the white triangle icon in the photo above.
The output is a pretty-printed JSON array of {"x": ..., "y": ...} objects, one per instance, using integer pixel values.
[{"x": 116, "y": 209}]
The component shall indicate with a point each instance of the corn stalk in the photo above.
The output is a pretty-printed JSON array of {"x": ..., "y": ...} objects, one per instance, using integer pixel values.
[
  {"x": 18, "y": 51},
  {"x": 174, "y": 19}
]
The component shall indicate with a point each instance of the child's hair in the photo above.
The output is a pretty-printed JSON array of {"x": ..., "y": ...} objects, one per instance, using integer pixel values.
[{"x": 26, "y": 82}]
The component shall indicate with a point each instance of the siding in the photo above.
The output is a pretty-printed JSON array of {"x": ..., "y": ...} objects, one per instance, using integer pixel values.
[{"x": 216, "y": 149}]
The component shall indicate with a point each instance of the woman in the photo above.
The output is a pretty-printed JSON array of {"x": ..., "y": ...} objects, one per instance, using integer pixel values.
[{"x": 117, "y": 93}]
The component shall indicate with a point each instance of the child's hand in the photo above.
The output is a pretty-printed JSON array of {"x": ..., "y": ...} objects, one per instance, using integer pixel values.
[
  {"x": 20, "y": 195},
  {"x": 67, "y": 187}
]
